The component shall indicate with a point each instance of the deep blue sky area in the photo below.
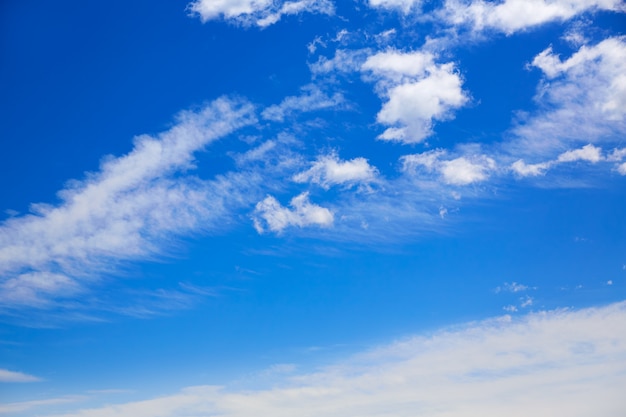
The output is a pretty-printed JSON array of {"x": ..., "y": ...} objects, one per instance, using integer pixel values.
[{"x": 252, "y": 208}]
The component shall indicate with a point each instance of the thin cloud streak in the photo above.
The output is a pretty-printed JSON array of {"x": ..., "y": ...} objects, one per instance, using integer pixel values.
[{"x": 125, "y": 211}]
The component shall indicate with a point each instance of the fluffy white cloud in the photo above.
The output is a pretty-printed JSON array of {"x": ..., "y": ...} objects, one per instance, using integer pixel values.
[
  {"x": 312, "y": 99},
  {"x": 621, "y": 168},
  {"x": 258, "y": 12},
  {"x": 583, "y": 99},
  {"x": 269, "y": 214},
  {"x": 510, "y": 16},
  {"x": 329, "y": 170},
  {"x": 462, "y": 170},
  {"x": 12, "y": 376},
  {"x": 559, "y": 362},
  {"x": 418, "y": 92},
  {"x": 121, "y": 212}
]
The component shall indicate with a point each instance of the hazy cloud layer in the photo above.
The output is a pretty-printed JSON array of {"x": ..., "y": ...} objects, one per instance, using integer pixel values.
[{"x": 571, "y": 361}]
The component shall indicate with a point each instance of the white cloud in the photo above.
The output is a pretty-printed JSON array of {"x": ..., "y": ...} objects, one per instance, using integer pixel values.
[
  {"x": 258, "y": 12},
  {"x": 559, "y": 362},
  {"x": 462, "y": 170},
  {"x": 22, "y": 406},
  {"x": 583, "y": 99},
  {"x": 530, "y": 170},
  {"x": 617, "y": 155},
  {"x": 526, "y": 301},
  {"x": 12, "y": 376},
  {"x": 512, "y": 287},
  {"x": 418, "y": 92},
  {"x": 344, "y": 61},
  {"x": 622, "y": 168},
  {"x": 124, "y": 211},
  {"x": 312, "y": 99},
  {"x": 269, "y": 214},
  {"x": 511, "y": 16},
  {"x": 402, "y": 5},
  {"x": 329, "y": 170},
  {"x": 587, "y": 153}
]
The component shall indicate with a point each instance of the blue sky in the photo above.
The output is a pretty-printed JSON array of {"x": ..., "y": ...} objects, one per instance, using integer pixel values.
[{"x": 270, "y": 208}]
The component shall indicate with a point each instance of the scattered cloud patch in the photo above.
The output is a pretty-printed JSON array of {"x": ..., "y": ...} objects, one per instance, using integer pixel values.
[
  {"x": 270, "y": 215},
  {"x": 329, "y": 170},
  {"x": 511, "y": 287},
  {"x": 463, "y": 170}
]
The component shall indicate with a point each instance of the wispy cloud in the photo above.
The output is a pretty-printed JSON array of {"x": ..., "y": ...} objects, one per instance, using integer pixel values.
[
  {"x": 12, "y": 376},
  {"x": 261, "y": 13},
  {"x": 124, "y": 211},
  {"x": 569, "y": 362},
  {"x": 329, "y": 170},
  {"x": 581, "y": 100},
  {"x": 588, "y": 153},
  {"x": 20, "y": 407},
  {"x": 312, "y": 98},
  {"x": 462, "y": 170}
]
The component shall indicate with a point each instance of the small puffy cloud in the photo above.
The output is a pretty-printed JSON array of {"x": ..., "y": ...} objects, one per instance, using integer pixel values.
[
  {"x": 418, "y": 92},
  {"x": 462, "y": 170},
  {"x": 312, "y": 99},
  {"x": 587, "y": 153},
  {"x": 12, "y": 376},
  {"x": 329, "y": 170},
  {"x": 621, "y": 168},
  {"x": 269, "y": 214},
  {"x": 262, "y": 13},
  {"x": 510, "y": 16}
]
